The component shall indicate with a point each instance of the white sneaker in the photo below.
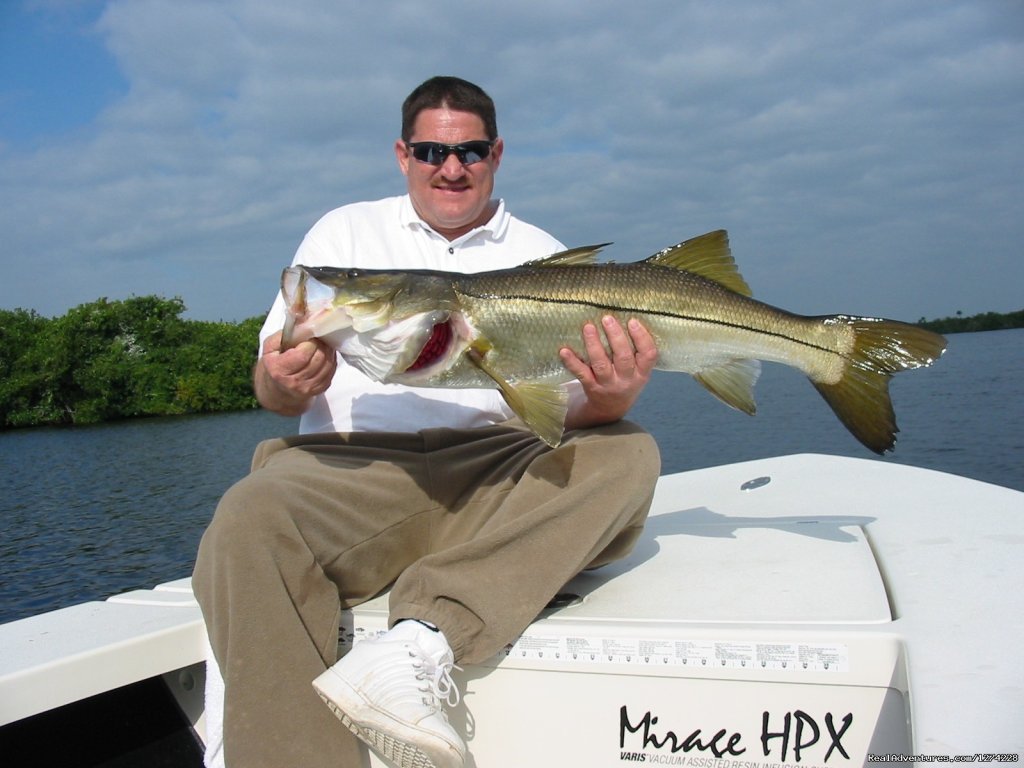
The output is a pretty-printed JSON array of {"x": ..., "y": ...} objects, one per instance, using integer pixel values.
[{"x": 388, "y": 692}]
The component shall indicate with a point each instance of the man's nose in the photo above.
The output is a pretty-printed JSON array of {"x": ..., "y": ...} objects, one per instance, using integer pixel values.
[{"x": 452, "y": 168}]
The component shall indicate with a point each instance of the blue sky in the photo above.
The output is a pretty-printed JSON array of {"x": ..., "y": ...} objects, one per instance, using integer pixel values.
[
  {"x": 57, "y": 75},
  {"x": 866, "y": 157}
]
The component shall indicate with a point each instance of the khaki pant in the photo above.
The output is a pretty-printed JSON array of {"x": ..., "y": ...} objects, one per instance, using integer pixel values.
[{"x": 475, "y": 531}]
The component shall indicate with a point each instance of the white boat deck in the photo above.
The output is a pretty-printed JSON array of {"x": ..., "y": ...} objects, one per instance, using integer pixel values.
[
  {"x": 811, "y": 584},
  {"x": 82, "y": 650}
]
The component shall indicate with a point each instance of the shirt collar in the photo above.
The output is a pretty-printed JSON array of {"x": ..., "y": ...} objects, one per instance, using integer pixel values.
[{"x": 492, "y": 229}]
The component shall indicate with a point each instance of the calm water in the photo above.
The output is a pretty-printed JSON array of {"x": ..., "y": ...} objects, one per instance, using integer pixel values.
[{"x": 87, "y": 512}]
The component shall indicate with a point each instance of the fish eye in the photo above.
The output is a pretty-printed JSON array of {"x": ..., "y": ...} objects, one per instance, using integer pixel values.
[{"x": 353, "y": 273}]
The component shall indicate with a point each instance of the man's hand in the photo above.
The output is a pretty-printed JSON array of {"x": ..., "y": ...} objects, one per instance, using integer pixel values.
[
  {"x": 611, "y": 383},
  {"x": 286, "y": 382}
]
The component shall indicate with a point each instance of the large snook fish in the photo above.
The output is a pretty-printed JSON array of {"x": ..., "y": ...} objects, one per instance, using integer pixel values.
[{"x": 504, "y": 329}]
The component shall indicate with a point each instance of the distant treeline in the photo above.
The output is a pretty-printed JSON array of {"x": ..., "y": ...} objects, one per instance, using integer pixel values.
[
  {"x": 986, "y": 321},
  {"x": 121, "y": 359}
]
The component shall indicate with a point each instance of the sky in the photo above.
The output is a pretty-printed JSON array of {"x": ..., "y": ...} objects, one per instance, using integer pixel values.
[{"x": 866, "y": 158}]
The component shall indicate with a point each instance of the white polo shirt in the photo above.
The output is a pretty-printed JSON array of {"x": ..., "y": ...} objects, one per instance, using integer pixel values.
[{"x": 388, "y": 234}]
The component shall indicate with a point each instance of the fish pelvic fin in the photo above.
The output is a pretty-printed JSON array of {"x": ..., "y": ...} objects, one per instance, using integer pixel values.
[
  {"x": 861, "y": 396},
  {"x": 733, "y": 383},
  {"x": 708, "y": 256},
  {"x": 542, "y": 407},
  {"x": 584, "y": 255}
]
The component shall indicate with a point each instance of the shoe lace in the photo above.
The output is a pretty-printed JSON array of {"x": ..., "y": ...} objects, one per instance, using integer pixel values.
[{"x": 437, "y": 680}]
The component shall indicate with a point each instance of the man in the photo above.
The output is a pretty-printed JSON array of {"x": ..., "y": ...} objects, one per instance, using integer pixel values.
[{"x": 472, "y": 521}]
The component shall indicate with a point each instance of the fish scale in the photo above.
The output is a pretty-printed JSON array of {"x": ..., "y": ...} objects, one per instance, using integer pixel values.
[{"x": 692, "y": 319}]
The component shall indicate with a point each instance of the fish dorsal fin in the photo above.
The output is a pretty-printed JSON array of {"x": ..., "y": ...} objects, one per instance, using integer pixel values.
[
  {"x": 708, "y": 256},
  {"x": 585, "y": 254}
]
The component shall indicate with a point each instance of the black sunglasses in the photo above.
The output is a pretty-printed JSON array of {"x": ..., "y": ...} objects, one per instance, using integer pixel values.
[{"x": 435, "y": 153}]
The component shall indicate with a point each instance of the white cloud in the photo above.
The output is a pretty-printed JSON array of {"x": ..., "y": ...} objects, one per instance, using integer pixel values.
[{"x": 864, "y": 156}]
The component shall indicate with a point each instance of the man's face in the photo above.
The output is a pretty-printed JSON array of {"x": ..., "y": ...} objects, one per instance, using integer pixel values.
[{"x": 452, "y": 198}]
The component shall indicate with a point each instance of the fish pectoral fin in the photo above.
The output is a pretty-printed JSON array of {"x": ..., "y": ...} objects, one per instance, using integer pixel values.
[
  {"x": 733, "y": 383},
  {"x": 541, "y": 406}
]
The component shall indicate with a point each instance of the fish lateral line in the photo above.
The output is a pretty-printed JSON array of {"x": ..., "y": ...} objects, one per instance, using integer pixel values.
[{"x": 637, "y": 311}]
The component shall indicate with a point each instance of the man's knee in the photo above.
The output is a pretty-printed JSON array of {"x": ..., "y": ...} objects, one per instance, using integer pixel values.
[
  {"x": 247, "y": 507},
  {"x": 243, "y": 523},
  {"x": 624, "y": 448}
]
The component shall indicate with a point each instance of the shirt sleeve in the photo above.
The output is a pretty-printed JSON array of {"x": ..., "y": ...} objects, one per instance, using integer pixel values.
[{"x": 311, "y": 251}]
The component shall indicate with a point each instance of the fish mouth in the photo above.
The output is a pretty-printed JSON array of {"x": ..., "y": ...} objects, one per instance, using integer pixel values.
[{"x": 435, "y": 348}]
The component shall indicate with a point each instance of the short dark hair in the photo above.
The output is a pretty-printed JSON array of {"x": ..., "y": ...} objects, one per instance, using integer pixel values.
[{"x": 453, "y": 93}]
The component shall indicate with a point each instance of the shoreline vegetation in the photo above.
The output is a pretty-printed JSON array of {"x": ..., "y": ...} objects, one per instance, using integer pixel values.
[
  {"x": 986, "y": 321},
  {"x": 111, "y": 360}
]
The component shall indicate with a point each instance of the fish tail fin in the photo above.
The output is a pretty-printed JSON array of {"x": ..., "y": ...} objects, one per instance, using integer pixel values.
[{"x": 861, "y": 396}]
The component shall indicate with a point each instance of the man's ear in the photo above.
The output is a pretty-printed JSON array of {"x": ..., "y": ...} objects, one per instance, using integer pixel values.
[{"x": 402, "y": 155}]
